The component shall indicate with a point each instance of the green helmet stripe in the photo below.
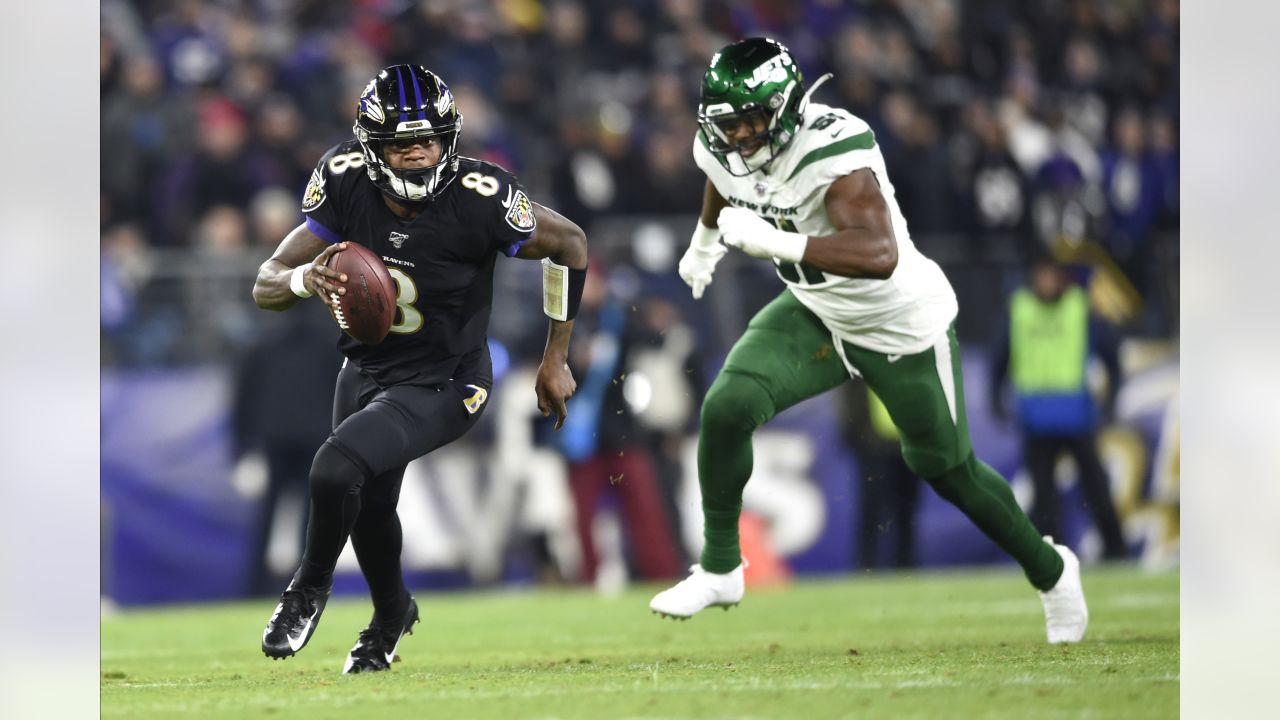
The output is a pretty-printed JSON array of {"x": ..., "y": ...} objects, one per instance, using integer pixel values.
[{"x": 864, "y": 141}]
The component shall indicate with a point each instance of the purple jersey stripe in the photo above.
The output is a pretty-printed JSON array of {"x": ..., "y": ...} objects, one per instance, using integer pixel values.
[
  {"x": 322, "y": 232},
  {"x": 417, "y": 94}
]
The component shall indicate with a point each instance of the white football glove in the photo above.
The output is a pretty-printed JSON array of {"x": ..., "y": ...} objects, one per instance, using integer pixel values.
[
  {"x": 754, "y": 236},
  {"x": 699, "y": 261}
]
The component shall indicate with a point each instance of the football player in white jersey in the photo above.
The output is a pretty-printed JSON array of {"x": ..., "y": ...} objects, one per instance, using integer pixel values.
[{"x": 804, "y": 185}]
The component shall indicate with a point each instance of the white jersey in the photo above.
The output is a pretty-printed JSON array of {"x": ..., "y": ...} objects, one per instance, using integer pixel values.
[{"x": 902, "y": 315}]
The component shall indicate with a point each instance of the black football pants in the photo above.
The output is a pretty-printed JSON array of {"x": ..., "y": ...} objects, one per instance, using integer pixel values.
[{"x": 356, "y": 475}]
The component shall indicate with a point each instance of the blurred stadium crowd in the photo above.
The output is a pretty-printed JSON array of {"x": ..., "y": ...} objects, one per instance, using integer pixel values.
[{"x": 1006, "y": 126}]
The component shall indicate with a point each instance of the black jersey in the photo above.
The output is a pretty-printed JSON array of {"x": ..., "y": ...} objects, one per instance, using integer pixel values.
[{"x": 442, "y": 261}]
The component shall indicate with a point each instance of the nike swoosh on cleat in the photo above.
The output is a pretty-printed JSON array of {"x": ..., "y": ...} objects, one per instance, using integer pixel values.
[
  {"x": 302, "y": 636},
  {"x": 391, "y": 656}
]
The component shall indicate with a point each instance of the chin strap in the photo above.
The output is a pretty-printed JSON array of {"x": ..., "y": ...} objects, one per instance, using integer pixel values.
[{"x": 804, "y": 101}]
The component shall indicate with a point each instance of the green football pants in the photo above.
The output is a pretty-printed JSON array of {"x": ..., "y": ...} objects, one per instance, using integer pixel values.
[{"x": 786, "y": 356}]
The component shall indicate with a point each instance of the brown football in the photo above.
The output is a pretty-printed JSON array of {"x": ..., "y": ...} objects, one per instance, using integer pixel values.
[{"x": 367, "y": 309}]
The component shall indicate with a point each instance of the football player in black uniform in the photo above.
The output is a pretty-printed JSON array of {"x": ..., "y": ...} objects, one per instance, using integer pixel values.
[{"x": 439, "y": 222}]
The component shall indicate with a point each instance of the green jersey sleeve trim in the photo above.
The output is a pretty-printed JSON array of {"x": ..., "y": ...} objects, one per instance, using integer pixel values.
[{"x": 863, "y": 141}]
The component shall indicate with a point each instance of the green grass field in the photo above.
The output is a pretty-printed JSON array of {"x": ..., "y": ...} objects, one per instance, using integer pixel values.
[{"x": 959, "y": 644}]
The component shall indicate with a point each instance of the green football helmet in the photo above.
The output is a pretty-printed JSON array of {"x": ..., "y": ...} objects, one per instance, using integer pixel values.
[{"x": 752, "y": 103}]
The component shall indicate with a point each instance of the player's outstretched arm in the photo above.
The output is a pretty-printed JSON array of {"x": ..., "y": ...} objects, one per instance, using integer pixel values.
[
  {"x": 559, "y": 239},
  {"x": 305, "y": 252}
]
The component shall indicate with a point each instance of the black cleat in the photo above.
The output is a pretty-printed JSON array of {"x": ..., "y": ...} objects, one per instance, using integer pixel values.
[
  {"x": 376, "y": 648},
  {"x": 294, "y": 621}
]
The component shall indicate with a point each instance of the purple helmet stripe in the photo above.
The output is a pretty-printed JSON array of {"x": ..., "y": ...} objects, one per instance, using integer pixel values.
[
  {"x": 400, "y": 84},
  {"x": 417, "y": 94}
]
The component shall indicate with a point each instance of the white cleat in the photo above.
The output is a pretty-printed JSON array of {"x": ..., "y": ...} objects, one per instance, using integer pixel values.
[
  {"x": 699, "y": 591},
  {"x": 1065, "y": 614}
]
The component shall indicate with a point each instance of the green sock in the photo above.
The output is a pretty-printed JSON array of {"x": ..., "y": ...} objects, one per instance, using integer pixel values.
[{"x": 984, "y": 496}]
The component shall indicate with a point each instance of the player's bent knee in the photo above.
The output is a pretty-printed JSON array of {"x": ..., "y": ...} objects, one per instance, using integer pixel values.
[
  {"x": 335, "y": 472},
  {"x": 736, "y": 403}
]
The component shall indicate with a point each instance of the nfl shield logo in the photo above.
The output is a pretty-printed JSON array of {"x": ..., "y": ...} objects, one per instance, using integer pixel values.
[
  {"x": 398, "y": 239},
  {"x": 761, "y": 188}
]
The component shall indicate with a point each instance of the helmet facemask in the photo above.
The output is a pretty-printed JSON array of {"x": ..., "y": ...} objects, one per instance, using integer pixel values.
[
  {"x": 411, "y": 185},
  {"x": 719, "y": 122}
]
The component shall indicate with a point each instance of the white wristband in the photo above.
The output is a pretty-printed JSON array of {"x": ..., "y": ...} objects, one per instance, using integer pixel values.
[
  {"x": 296, "y": 284},
  {"x": 704, "y": 238}
]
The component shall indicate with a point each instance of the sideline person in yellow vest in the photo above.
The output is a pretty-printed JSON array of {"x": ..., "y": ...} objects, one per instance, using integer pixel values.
[{"x": 1045, "y": 352}]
